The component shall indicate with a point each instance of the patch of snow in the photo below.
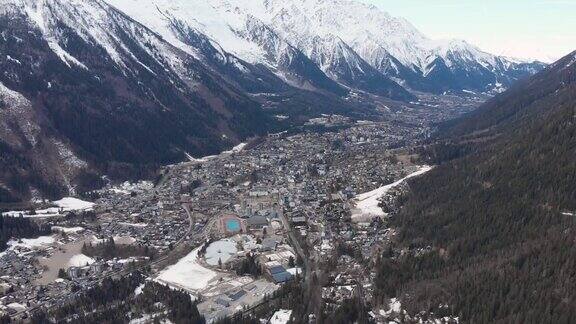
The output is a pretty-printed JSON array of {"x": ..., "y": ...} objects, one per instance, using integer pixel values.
[
  {"x": 187, "y": 273},
  {"x": 63, "y": 205},
  {"x": 29, "y": 244},
  {"x": 120, "y": 191},
  {"x": 139, "y": 289},
  {"x": 66, "y": 57},
  {"x": 294, "y": 271},
  {"x": 70, "y": 203},
  {"x": 16, "y": 307},
  {"x": 128, "y": 187},
  {"x": 236, "y": 148},
  {"x": 367, "y": 203},
  {"x": 10, "y": 58},
  {"x": 80, "y": 260},
  {"x": 68, "y": 230},
  {"x": 200, "y": 160},
  {"x": 38, "y": 242},
  {"x": 281, "y": 316},
  {"x": 141, "y": 225},
  {"x": 394, "y": 307}
]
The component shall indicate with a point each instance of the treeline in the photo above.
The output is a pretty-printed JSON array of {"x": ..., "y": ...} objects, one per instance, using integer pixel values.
[
  {"x": 108, "y": 250},
  {"x": 125, "y": 299},
  {"x": 17, "y": 228},
  {"x": 181, "y": 308}
]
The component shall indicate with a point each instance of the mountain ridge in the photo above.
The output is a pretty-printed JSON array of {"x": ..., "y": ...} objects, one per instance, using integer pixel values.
[{"x": 392, "y": 46}]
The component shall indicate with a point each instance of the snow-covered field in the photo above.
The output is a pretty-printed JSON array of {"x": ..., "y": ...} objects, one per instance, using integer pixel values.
[
  {"x": 80, "y": 260},
  {"x": 220, "y": 250},
  {"x": 68, "y": 230},
  {"x": 32, "y": 243},
  {"x": 39, "y": 242},
  {"x": 70, "y": 203},
  {"x": 235, "y": 149},
  {"x": 281, "y": 317},
  {"x": 367, "y": 203},
  {"x": 63, "y": 205},
  {"x": 187, "y": 273}
]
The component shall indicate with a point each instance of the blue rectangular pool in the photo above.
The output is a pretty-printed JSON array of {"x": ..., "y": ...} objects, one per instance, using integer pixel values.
[{"x": 232, "y": 225}]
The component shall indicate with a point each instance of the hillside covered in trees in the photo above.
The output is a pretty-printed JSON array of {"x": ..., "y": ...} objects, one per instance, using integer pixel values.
[
  {"x": 491, "y": 230},
  {"x": 120, "y": 300},
  {"x": 18, "y": 228}
]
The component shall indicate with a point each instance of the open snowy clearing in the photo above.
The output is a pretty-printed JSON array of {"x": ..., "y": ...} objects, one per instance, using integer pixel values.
[
  {"x": 63, "y": 205},
  {"x": 70, "y": 203},
  {"x": 80, "y": 260},
  {"x": 235, "y": 149},
  {"x": 67, "y": 230},
  {"x": 367, "y": 203},
  {"x": 187, "y": 273},
  {"x": 36, "y": 243}
]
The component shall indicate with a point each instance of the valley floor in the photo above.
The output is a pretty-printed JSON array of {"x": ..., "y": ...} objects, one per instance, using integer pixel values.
[{"x": 298, "y": 200}]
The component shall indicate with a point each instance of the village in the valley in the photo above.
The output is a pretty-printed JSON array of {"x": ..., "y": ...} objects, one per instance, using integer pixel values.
[{"x": 229, "y": 229}]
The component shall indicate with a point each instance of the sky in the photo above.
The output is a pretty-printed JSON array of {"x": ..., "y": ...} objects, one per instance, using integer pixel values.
[{"x": 527, "y": 29}]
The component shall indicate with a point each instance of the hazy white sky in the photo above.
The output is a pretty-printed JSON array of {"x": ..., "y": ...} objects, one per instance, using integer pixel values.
[{"x": 540, "y": 29}]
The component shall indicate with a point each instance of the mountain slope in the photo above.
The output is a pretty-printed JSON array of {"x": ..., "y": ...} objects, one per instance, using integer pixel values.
[
  {"x": 234, "y": 32},
  {"x": 241, "y": 32},
  {"x": 109, "y": 91},
  {"x": 342, "y": 64},
  {"x": 499, "y": 219}
]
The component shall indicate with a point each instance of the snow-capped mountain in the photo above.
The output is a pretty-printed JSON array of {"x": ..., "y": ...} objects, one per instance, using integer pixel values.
[
  {"x": 239, "y": 31},
  {"x": 231, "y": 31},
  {"x": 391, "y": 45},
  {"x": 342, "y": 64},
  {"x": 340, "y": 36}
]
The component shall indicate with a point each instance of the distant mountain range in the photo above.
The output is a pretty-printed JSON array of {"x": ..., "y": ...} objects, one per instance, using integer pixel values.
[
  {"x": 356, "y": 45},
  {"x": 117, "y": 87}
]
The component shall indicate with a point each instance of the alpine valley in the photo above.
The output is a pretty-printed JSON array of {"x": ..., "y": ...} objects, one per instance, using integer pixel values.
[
  {"x": 284, "y": 162},
  {"x": 120, "y": 87}
]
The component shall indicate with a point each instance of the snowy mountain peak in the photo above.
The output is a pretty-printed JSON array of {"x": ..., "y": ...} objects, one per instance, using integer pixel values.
[{"x": 297, "y": 40}]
